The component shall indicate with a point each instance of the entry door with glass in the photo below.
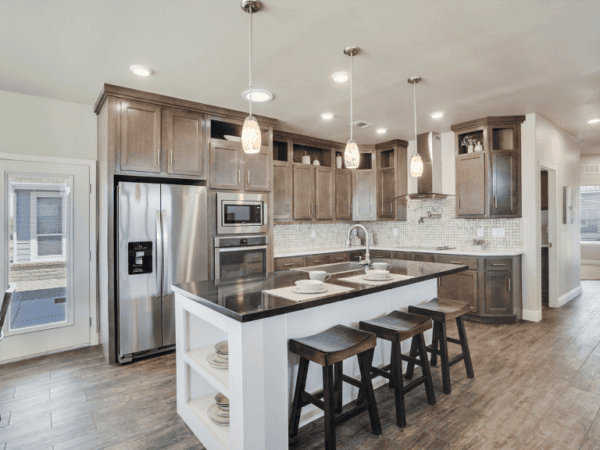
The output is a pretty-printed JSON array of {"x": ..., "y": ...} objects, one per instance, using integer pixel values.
[{"x": 46, "y": 256}]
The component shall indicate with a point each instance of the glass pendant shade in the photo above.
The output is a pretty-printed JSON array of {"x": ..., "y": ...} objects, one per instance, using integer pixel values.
[
  {"x": 351, "y": 155},
  {"x": 251, "y": 138},
  {"x": 416, "y": 165}
]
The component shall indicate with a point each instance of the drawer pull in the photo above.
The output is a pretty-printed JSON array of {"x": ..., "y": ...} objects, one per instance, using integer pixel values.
[
  {"x": 290, "y": 264},
  {"x": 498, "y": 265},
  {"x": 509, "y": 285},
  {"x": 455, "y": 262},
  {"x": 318, "y": 260},
  {"x": 339, "y": 259}
]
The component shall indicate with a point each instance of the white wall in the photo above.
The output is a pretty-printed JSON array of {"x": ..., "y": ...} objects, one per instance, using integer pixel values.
[
  {"x": 448, "y": 166},
  {"x": 545, "y": 144},
  {"x": 589, "y": 179},
  {"x": 45, "y": 127}
]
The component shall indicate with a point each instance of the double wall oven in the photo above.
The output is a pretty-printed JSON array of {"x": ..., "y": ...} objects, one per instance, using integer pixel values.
[{"x": 241, "y": 247}]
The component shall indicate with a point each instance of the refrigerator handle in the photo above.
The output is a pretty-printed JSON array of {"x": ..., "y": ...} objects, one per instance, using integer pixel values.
[
  {"x": 159, "y": 251},
  {"x": 166, "y": 259}
]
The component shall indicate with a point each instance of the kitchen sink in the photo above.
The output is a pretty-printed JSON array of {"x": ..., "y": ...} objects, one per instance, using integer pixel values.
[{"x": 334, "y": 268}]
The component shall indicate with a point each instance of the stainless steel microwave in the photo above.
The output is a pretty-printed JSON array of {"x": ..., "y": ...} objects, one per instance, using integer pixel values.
[{"x": 241, "y": 213}]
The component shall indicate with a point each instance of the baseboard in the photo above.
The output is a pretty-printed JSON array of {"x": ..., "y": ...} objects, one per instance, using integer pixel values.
[
  {"x": 563, "y": 299},
  {"x": 590, "y": 262},
  {"x": 532, "y": 315}
]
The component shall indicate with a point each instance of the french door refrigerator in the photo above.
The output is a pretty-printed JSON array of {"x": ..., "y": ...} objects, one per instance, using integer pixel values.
[{"x": 161, "y": 240}]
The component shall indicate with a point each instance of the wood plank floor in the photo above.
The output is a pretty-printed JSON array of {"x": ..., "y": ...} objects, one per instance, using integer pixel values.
[{"x": 537, "y": 387}]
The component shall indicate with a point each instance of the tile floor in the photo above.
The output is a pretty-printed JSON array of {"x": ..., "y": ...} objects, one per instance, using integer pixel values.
[{"x": 536, "y": 386}]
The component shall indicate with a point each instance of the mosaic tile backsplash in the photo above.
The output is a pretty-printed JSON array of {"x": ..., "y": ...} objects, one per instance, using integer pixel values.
[{"x": 432, "y": 232}]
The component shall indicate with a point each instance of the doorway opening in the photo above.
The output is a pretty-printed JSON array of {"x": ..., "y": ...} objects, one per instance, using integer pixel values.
[{"x": 548, "y": 264}]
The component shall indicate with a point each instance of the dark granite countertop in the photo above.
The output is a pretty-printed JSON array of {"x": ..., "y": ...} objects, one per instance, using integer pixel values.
[{"x": 244, "y": 300}]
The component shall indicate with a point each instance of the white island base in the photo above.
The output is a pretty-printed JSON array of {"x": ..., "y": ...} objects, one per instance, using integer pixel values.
[{"x": 262, "y": 373}]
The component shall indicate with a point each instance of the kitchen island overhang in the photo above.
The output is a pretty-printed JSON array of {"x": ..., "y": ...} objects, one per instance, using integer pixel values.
[{"x": 257, "y": 325}]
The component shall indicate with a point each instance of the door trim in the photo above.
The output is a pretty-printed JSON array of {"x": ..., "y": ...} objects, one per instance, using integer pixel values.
[{"x": 93, "y": 232}]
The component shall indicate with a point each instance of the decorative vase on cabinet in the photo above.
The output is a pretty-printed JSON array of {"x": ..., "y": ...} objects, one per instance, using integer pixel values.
[
  {"x": 305, "y": 159},
  {"x": 470, "y": 148},
  {"x": 479, "y": 147},
  {"x": 338, "y": 162}
]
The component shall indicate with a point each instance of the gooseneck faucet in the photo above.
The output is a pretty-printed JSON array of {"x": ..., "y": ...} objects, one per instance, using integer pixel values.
[{"x": 367, "y": 260}]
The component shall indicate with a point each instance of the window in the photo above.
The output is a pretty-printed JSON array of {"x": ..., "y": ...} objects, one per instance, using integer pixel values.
[
  {"x": 590, "y": 213},
  {"x": 47, "y": 226}
]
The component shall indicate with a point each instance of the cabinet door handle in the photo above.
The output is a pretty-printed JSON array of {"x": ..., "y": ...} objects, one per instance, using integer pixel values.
[
  {"x": 171, "y": 158},
  {"x": 339, "y": 259},
  {"x": 495, "y": 202},
  {"x": 392, "y": 208},
  {"x": 248, "y": 178},
  {"x": 318, "y": 260},
  {"x": 455, "y": 262},
  {"x": 509, "y": 285},
  {"x": 290, "y": 264},
  {"x": 459, "y": 203},
  {"x": 157, "y": 156},
  {"x": 498, "y": 265},
  {"x": 239, "y": 176}
]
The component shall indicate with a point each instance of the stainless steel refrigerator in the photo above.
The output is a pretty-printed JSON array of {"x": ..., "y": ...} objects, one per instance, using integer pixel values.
[{"x": 161, "y": 240}]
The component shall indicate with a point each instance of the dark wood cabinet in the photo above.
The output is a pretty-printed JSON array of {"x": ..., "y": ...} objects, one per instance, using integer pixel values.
[
  {"x": 282, "y": 191},
  {"x": 343, "y": 194},
  {"x": 140, "y": 137},
  {"x": 317, "y": 260},
  {"x": 488, "y": 182},
  {"x": 257, "y": 171},
  {"x": 387, "y": 191},
  {"x": 424, "y": 257},
  {"x": 226, "y": 165},
  {"x": 498, "y": 295},
  {"x": 462, "y": 286},
  {"x": 392, "y": 179},
  {"x": 381, "y": 256},
  {"x": 324, "y": 193},
  {"x": 339, "y": 257},
  {"x": 184, "y": 143},
  {"x": 403, "y": 256},
  {"x": 303, "y": 191},
  {"x": 470, "y": 184},
  {"x": 505, "y": 183},
  {"x": 289, "y": 263}
]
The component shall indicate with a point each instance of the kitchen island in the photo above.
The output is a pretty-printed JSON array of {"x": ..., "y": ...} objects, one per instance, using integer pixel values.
[{"x": 257, "y": 325}]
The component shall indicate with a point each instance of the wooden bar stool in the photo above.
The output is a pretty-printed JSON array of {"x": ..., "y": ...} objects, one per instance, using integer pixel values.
[
  {"x": 396, "y": 327},
  {"x": 442, "y": 311},
  {"x": 330, "y": 348}
]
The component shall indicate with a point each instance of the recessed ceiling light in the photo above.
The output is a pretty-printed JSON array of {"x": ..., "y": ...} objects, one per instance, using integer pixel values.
[
  {"x": 258, "y": 95},
  {"x": 437, "y": 115},
  {"x": 327, "y": 116},
  {"x": 594, "y": 120},
  {"x": 141, "y": 71},
  {"x": 340, "y": 77},
  {"x": 381, "y": 130}
]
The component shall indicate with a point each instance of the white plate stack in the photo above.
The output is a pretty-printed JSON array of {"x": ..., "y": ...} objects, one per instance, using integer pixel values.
[
  {"x": 218, "y": 412},
  {"x": 219, "y": 359}
]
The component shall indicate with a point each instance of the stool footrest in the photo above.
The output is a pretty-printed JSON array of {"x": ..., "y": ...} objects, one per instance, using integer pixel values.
[
  {"x": 454, "y": 341},
  {"x": 407, "y": 358},
  {"x": 377, "y": 372},
  {"x": 308, "y": 399},
  {"x": 338, "y": 420},
  {"x": 413, "y": 384},
  {"x": 352, "y": 381},
  {"x": 435, "y": 351},
  {"x": 456, "y": 359}
]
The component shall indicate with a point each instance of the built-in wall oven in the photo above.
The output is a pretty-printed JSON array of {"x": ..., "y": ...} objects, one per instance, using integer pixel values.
[
  {"x": 241, "y": 256},
  {"x": 241, "y": 213}
]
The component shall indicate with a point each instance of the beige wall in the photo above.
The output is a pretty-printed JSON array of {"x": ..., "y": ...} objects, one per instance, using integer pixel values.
[
  {"x": 543, "y": 143},
  {"x": 45, "y": 127}
]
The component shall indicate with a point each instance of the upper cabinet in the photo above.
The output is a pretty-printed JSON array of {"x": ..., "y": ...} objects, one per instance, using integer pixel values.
[
  {"x": 184, "y": 143},
  {"x": 488, "y": 165},
  {"x": 392, "y": 179},
  {"x": 343, "y": 194},
  {"x": 233, "y": 169},
  {"x": 364, "y": 204},
  {"x": 140, "y": 137}
]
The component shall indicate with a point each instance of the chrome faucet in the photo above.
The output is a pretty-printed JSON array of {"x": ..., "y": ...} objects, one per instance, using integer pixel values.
[{"x": 367, "y": 260}]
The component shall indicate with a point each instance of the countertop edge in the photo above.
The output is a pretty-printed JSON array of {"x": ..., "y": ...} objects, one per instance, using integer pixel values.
[{"x": 318, "y": 251}]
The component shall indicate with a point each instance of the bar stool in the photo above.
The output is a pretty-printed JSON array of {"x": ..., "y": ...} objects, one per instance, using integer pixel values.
[
  {"x": 442, "y": 311},
  {"x": 328, "y": 349},
  {"x": 396, "y": 327}
]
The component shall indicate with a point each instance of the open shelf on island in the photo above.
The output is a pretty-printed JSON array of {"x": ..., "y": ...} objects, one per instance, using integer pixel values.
[
  {"x": 199, "y": 407},
  {"x": 218, "y": 378}
]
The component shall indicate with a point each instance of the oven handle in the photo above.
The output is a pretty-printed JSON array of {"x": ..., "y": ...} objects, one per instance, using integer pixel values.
[{"x": 239, "y": 249}]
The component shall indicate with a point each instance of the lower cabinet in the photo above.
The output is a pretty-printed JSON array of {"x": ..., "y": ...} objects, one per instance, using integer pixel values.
[
  {"x": 380, "y": 256},
  {"x": 462, "y": 286},
  {"x": 424, "y": 257},
  {"x": 317, "y": 260},
  {"x": 498, "y": 296}
]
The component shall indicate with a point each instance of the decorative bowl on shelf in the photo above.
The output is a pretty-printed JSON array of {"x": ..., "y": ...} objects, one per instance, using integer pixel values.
[{"x": 230, "y": 138}]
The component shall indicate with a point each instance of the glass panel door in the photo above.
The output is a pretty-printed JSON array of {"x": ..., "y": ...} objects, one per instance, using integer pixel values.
[{"x": 40, "y": 246}]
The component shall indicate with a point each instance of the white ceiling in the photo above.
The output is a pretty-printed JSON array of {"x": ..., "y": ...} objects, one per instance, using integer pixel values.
[{"x": 476, "y": 57}]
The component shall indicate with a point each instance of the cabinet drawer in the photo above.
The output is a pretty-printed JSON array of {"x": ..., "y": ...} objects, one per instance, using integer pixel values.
[
  {"x": 424, "y": 257},
  {"x": 356, "y": 256},
  {"x": 402, "y": 256},
  {"x": 498, "y": 264},
  {"x": 470, "y": 261},
  {"x": 379, "y": 254},
  {"x": 339, "y": 257},
  {"x": 317, "y": 260},
  {"x": 289, "y": 263}
]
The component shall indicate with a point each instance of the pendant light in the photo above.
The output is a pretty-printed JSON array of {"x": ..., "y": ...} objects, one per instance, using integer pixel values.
[
  {"x": 251, "y": 139},
  {"x": 416, "y": 163},
  {"x": 351, "y": 154}
]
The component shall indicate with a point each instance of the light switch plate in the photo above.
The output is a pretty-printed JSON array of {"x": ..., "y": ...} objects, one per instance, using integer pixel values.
[
  {"x": 498, "y": 232},
  {"x": 313, "y": 234},
  {"x": 479, "y": 231},
  {"x": 395, "y": 231}
]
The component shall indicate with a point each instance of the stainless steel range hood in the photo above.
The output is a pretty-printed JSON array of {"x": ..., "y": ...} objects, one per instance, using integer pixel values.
[{"x": 429, "y": 185}]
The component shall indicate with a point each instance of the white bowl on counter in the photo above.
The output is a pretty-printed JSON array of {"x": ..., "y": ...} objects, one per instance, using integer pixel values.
[{"x": 309, "y": 285}]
